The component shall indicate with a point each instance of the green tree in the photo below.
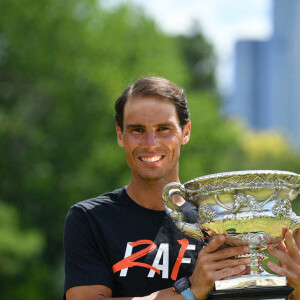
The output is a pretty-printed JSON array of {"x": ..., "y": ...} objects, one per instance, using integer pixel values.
[
  {"x": 214, "y": 143},
  {"x": 199, "y": 57},
  {"x": 62, "y": 67},
  {"x": 63, "y": 64},
  {"x": 17, "y": 247}
]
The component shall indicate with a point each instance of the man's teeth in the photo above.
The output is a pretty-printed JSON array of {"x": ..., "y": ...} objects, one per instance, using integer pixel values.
[{"x": 151, "y": 159}]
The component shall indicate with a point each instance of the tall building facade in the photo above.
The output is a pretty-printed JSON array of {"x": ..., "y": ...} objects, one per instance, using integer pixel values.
[{"x": 267, "y": 75}]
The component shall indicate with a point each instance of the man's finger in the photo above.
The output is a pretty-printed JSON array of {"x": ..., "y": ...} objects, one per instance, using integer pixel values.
[
  {"x": 283, "y": 257},
  {"x": 214, "y": 244},
  {"x": 229, "y": 263},
  {"x": 228, "y": 252},
  {"x": 281, "y": 246},
  {"x": 297, "y": 238},
  {"x": 281, "y": 271},
  {"x": 229, "y": 272},
  {"x": 284, "y": 230},
  {"x": 291, "y": 245}
]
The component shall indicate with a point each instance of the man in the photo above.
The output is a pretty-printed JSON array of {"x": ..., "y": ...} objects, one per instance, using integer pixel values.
[{"x": 122, "y": 244}]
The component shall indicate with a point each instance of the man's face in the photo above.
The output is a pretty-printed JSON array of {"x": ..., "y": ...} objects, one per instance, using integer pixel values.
[{"x": 152, "y": 138}]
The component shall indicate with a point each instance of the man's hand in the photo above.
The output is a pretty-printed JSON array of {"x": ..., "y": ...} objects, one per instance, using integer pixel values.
[
  {"x": 289, "y": 256},
  {"x": 213, "y": 264}
]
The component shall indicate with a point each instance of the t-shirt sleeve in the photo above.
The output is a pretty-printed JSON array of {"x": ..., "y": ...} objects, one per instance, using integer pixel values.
[{"x": 85, "y": 263}]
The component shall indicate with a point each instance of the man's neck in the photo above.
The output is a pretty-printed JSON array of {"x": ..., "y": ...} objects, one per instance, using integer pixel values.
[{"x": 148, "y": 193}]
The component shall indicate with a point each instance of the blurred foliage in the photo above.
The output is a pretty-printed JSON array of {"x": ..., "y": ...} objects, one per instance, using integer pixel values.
[
  {"x": 264, "y": 144},
  {"x": 63, "y": 64},
  {"x": 213, "y": 146},
  {"x": 201, "y": 61},
  {"x": 19, "y": 251},
  {"x": 17, "y": 246}
]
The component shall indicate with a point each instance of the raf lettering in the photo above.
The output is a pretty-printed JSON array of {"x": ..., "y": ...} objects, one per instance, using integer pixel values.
[{"x": 160, "y": 264}]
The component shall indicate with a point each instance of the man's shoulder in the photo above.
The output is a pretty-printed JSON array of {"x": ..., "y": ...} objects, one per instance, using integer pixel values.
[{"x": 104, "y": 200}]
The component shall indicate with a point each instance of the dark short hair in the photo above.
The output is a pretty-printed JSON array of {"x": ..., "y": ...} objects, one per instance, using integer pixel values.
[{"x": 157, "y": 87}]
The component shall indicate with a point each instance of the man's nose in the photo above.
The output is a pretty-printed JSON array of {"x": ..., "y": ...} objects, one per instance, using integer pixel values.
[{"x": 150, "y": 139}]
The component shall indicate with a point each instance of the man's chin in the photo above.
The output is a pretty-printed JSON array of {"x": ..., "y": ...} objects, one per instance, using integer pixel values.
[{"x": 152, "y": 176}]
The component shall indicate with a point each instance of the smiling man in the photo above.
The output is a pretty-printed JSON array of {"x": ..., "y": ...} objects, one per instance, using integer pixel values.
[
  {"x": 151, "y": 136},
  {"x": 122, "y": 243}
]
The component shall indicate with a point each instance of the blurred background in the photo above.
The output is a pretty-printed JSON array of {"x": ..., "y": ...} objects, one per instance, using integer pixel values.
[{"x": 63, "y": 65}]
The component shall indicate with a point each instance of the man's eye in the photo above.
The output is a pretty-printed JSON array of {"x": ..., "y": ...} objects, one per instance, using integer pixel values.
[
  {"x": 138, "y": 130},
  {"x": 163, "y": 128}
]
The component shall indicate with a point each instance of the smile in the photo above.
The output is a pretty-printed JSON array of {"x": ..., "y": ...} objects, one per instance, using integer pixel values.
[{"x": 151, "y": 159}]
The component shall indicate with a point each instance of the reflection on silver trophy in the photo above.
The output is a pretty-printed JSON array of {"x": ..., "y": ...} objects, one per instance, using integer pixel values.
[{"x": 250, "y": 207}]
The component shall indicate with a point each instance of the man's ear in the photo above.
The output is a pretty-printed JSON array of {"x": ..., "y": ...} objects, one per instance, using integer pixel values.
[
  {"x": 119, "y": 135},
  {"x": 186, "y": 133}
]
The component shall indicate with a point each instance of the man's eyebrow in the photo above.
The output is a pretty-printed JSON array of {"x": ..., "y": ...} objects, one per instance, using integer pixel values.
[
  {"x": 133, "y": 126},
  {"x": 165, "y": 125}
]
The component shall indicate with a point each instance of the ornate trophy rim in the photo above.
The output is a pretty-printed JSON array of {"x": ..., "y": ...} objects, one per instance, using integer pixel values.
[
  {"x": 235, "y": 180},
  {"x": 243, "y": 173}
]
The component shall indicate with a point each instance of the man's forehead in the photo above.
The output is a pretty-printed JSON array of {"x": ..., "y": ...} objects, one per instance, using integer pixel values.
[
  {"x": 149, "y": 101},
  {"x": 151, "y": 109},
  {"x": 148, "y": 98},
  {"x": 155, "y": 121}
]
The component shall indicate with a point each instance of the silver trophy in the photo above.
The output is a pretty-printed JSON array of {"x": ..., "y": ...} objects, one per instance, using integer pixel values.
[{"x": 250, "y": 207}]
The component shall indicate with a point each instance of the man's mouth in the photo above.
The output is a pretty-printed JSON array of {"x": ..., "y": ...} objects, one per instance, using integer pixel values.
[{"x": 151, "y": 159}]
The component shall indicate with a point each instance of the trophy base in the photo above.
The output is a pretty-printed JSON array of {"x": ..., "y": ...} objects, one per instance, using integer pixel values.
[
  {"x": 253, "y": 293},
  {"x": 260, "y": 280}
]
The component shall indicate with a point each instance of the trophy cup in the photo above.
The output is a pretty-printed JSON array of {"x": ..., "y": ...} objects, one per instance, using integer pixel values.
[{"x": 251, "y": 208}]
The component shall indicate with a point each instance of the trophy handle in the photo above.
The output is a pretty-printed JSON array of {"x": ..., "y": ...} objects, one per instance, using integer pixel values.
[{"x": 175, "y": 212}]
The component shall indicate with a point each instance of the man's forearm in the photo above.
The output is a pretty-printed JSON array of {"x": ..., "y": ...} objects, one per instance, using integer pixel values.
[{"x": 167, "y": 294}]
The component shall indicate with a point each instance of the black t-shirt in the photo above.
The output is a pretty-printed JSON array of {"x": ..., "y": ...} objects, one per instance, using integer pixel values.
[{"x": 111, "y": 240}]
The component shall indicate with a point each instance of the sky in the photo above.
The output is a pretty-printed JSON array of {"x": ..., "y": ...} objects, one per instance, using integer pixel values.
[{"x": 223, "y": 22}]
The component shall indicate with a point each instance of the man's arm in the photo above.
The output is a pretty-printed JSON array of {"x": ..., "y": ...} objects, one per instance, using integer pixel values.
[
  {"x": 101, "y": 292},
  {"x": 212, "y": 264},
  {"x": 289, "y": 256}
]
